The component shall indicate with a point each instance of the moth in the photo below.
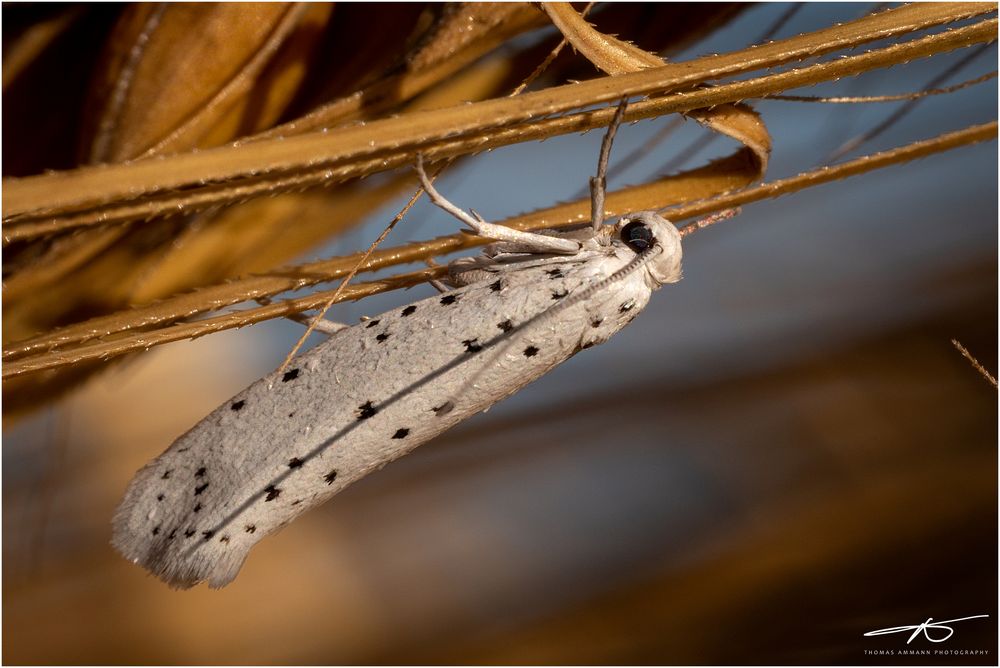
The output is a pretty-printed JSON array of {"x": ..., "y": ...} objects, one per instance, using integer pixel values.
[{"x": 375, "y": 391}]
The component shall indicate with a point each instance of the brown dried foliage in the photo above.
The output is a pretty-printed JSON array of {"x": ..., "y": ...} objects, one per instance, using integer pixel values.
[{"x": 193, "y": 113}]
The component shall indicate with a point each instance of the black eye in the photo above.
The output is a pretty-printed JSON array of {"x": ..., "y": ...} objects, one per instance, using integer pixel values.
[{"x": 638, "y": 236}]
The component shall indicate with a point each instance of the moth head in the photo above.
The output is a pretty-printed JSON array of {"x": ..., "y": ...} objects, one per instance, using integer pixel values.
[{"x": 639, "y": 231}]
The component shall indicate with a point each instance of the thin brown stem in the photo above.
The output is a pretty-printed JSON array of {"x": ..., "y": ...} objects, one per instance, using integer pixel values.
[
  {"x": 134, "y": 341},
  {"x": 974, "y": 362}
]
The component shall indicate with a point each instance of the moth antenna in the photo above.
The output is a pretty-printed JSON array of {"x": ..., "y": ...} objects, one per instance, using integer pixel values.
[{"x": 599, "y": 183}]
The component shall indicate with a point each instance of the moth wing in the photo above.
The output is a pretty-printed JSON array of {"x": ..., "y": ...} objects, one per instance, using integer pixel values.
[{"x": 367, "y": 396}]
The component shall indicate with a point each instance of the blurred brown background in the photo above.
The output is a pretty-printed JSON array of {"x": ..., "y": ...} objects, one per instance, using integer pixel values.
[{"x": 783, "y": 453}]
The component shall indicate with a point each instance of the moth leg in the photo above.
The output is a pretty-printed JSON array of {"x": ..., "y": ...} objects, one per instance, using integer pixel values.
[
  {"x": 439, "y": 286},
  {"x": 599, "y": 183},
  {"x": 537, "y": 242},
  {"x": 323, "y": 325},
  {"x": 328, "y": 327},
  {"x": 443, "y": 285}
]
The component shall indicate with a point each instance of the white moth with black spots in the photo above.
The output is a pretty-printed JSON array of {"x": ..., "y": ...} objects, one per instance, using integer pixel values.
[{"x": 374, "y": 391}]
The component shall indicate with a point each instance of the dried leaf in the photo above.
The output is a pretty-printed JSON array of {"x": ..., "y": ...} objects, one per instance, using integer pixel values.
[
  {"x": 616, "y": 57},
  {"x": 180, "y": 72},
  {"x": 354, "y": 151},
  {"x": 56, "y": 275},
  {"x": 464, "y": 34}
]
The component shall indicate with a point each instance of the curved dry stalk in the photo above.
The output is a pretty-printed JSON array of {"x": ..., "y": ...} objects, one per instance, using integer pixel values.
[
  {"x": 324, "y": 173},
  {"x": 654, "y": 142},
  {"x": 105, "y": 350},
  {"x": 132, "y": 342},
  {"x": 606, "y": 52},
  {"x": 207, "y": 197},
  {"x": 919, "y": 149},
  {"x": 537, "y": 72},
  {"x": 717, "y": 177},
  {"x": 615, "y": 57},
  {"x": 355, "y": 151}
]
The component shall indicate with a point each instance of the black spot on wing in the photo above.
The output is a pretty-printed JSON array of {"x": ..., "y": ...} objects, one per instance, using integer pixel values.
[
  {"x": 449, "y": 299},
  {"x": 408, "y": 310},
  {"x": 559, "y": 294},
  {"x": 330, "y": 477},
  {"x": 530, "y": 351},
  {"x": 189, "y": 532},
  {"x": 237, "y": 405},
  {"x": 371, "y": 323},
  {"x": 506, "y": 325},
  {"x": 166, "y": 474},
  {"x": 554, "y": 273},
  {"x": 291, "y": 374},
  {"x": 160, "y": 497},
  {"x": 627, "y": 306},
  {"x": 294, "y": 463},
  {"x": 207, "y": 534},
  {"x": 156, "y": 530},
  {"x": 172, "y": 534},
  {"x": 250, "y": 528},
  {"x": 596, "y": 322},
  {"x": 366, "y": 410},
  {"x": 471, "y": 346},
  {"x": 497, "y": 285},
  {"x": 381, "y": 338},
  {"x": 401, "y": 433},
  {"x": 200, "y": 488},
  {"x": 200, "y": 473},
  {"x": 272, "y": 493},
  {"x": 197, "y": 507},
  {"x": 224, "y": 539}
]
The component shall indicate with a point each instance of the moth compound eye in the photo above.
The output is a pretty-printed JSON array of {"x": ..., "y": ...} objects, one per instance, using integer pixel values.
[{"x": 637, "y": 236}]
